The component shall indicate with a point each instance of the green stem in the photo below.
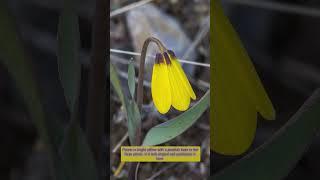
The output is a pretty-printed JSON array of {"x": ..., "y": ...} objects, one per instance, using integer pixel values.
[
  {"x": 133, "y": 168},
  {"x": 141, "y": 67}
]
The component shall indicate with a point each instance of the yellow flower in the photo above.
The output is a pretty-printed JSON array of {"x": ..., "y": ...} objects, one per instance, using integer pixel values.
[
  {"x": 238, "y": 94},
  {"x": 169, "y": 84}
]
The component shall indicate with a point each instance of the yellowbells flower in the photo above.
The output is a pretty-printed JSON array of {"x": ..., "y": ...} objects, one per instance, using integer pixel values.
[
  {"x": 238, "y": 94},
  {"x": 169, "y": 84}
]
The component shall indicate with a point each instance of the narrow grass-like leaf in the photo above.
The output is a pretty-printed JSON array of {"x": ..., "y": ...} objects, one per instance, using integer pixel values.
[
  {"x": 68, "y": 54},
  {"x": 77, "y": 155},
  {"x": 114, "y": 79},
  {"x": 172, "y": 128},
  {"x": 131, "y": 108},
  {"x": 277, "y": 157},
  {"x": 134, "y": 120},
  {"x": 13, "y": 57},
  {"x": 131, "y": 79}
]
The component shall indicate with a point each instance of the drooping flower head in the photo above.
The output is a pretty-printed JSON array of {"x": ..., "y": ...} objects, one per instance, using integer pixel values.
[
  {"x": 238, "y": 93},
  {"x": 169, "y": 84}
]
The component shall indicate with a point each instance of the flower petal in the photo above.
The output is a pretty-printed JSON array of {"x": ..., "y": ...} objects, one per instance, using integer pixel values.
[
  {"x": 183, "y": 78},
  {"x": 238, "y": 93},
  {"x": 234, "y": 117},
  {"x": 242, "y": 67},
  {"x": 180, "y": 97},
  {"x": 160, "y": 88}
]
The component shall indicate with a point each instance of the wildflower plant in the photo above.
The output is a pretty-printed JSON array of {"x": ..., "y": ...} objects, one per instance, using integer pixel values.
[
  {"x": 169, "y": 87},
  {"x": 163, "y": 91}
]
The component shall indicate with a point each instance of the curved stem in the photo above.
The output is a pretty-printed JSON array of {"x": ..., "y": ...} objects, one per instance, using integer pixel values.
[
  {"x": 141, "y": 67},
  {"x": 133, "y": 169}
]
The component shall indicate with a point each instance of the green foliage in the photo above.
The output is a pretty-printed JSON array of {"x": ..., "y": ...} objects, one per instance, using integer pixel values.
[
  {"x": 134, "y": 120},
  {"x": 131, "y": 108},
  {"x": 68, "y": 55},
  {"x": 114, "y": 79},
  {"x": 76, "y": 153},
  {"x": 13, "y": 57},
  {"x": 75, "y": 161},
  {"x": 131, "y": 79}
]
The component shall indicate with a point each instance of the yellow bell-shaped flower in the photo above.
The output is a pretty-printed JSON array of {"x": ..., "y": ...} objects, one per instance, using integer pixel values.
[
  {"x": 169, "y": 84},
  {"x": 237, "y": 94}
]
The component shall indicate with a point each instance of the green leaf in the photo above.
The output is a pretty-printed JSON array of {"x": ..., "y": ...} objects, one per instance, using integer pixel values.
[
  {"x": 131, "y": 78},
  {"x": 131, "y": 108},
  {"x": 277, "y": 157},
  {"x": 13, "y": 57},
  {"x": 77, "y": 155},
  {"x": 116, "y": 85},
  {"x": 134, "y": 120},
  {"x": 172, "y": 128},
  {"x": 68, "y": 55}
]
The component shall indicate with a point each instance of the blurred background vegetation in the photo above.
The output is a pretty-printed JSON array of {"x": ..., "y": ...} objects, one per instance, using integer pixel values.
[{"x": 23, "y": 155}]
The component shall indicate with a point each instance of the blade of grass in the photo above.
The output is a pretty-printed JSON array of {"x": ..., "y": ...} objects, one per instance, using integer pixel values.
[
  {"x": 134, "y": 117},
  {"x": 68, "y": 53},
  {"x": 134, "y": 120},
  {"x": 77, "y": 155},
  {"x": 75, "y": 150},
  {"x": 131, "y": 79},
  {"x": 130, "y": 107},
  {"x": 114, "y": 79}
]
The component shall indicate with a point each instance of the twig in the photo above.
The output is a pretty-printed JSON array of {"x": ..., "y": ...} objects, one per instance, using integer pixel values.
[
  {"x": 95, "y": 116},
  {"x": 115, "y": 149},
  {"x": 121, "y": 60},
  {"x": 137, "y": 169},
  {"x": 161, "y": 171},
  {"x": 118, "y": 170},
  {"x": 200, "y": 35},
  {"x": 125, "y": 75},
  {"x": 202, "y": 85},
  {"x": 128, "y": 7},
  {"x": 151, "y": 56},
  {"x": 203, "y": 126},
  {"x": 277, "y": 6}
]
